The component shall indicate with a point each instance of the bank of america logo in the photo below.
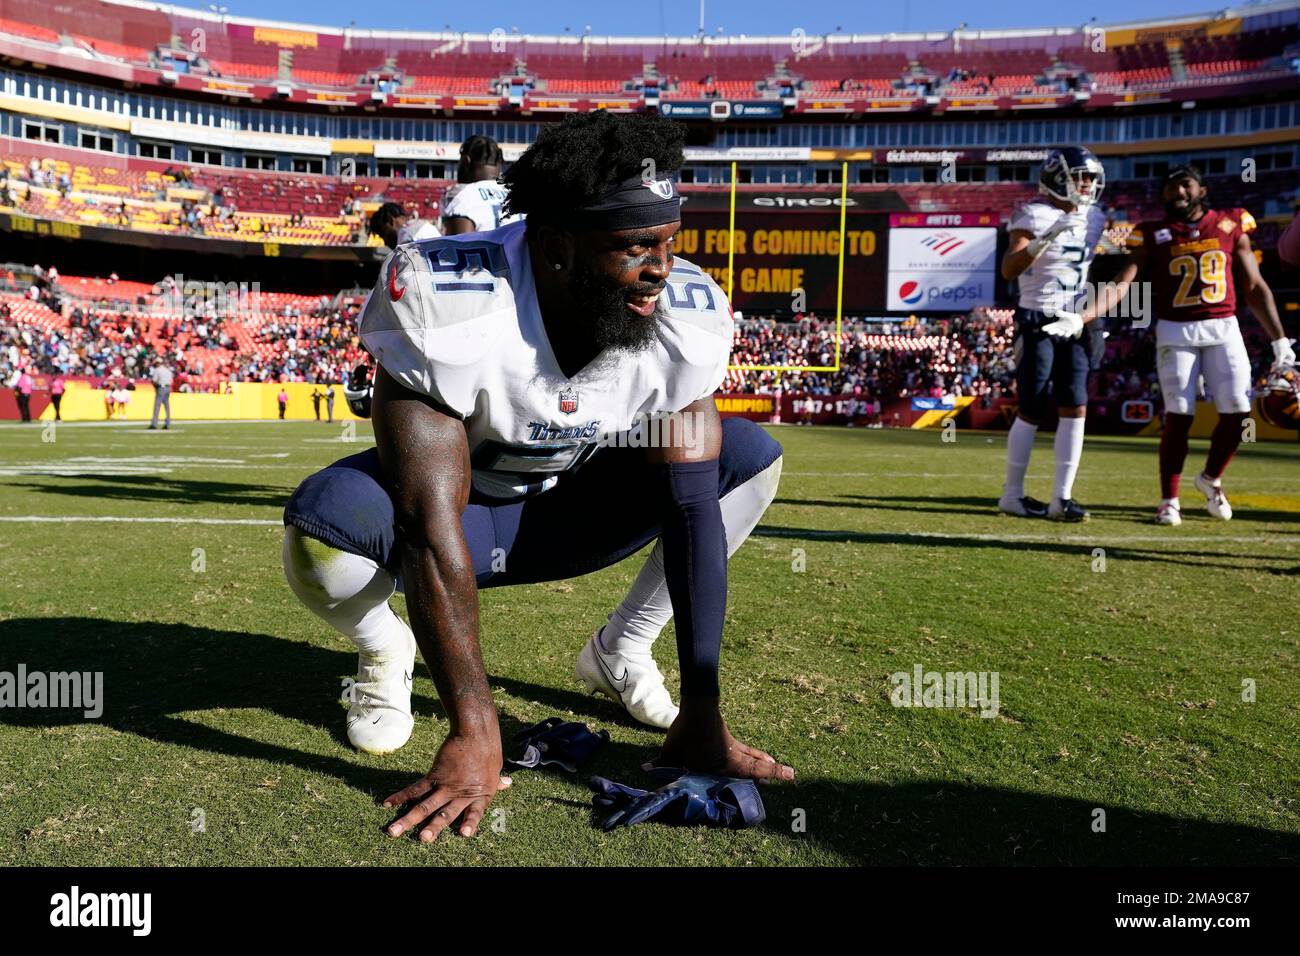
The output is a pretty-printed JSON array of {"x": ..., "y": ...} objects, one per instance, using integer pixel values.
[{"x": 942, "y": 242}]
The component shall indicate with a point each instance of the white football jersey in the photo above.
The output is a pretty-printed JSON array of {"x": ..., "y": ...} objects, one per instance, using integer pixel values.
[
  {"x": 457, "y": 319},
  {"x": 418, "y": 229},
  {"x": 480, "y": 202},
  {"x": 1056, "y": 279}
]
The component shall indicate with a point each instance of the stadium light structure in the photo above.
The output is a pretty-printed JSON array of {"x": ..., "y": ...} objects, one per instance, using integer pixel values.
[{"x": 839, "y": 280}]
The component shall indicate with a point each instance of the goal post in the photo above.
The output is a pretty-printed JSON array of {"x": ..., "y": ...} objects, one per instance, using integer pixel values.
[{"x": 839, "y": 281}]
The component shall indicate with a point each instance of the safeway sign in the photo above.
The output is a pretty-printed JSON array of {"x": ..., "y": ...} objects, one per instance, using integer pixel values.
[{"x": 941, "y": 269}]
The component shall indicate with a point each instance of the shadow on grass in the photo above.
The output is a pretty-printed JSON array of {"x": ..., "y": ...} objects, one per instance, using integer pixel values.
[
  {"x": 154, "y": 673},
  {"x": 168, "y": 490},
  {"x": 1116, "y": 552},
  {"x": 988, "y": 507},
  {"x": 1279, "y": 450},
  {"x": 946, "y": 823}
]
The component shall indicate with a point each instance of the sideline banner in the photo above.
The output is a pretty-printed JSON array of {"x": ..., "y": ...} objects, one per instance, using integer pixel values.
[{"x": 83, "y": 402}]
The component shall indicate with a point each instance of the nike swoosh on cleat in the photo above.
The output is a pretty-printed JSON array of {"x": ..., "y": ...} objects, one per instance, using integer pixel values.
[{"x": 620, "y": 683}]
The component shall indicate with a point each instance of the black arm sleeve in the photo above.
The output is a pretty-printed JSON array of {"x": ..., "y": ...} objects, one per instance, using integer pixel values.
[{"x": 695, "y": 565}]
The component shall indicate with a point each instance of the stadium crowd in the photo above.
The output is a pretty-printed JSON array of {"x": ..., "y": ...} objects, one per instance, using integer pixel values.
[
  {"x": 119, "y": 340},
  {"x": 878, "y": 360}
]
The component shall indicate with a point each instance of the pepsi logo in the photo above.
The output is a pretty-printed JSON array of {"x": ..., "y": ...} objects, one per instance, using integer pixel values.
[{"x": 910, "y": 292}]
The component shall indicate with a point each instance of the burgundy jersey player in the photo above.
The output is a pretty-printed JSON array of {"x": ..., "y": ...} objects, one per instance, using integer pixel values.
[{"x": 1194, "y": 259}]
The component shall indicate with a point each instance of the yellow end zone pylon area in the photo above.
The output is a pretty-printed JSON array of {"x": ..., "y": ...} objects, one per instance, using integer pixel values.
[
  {"x": 245, "y": 401},
  {"x": 839, "y": 291},
  {"x": 938, "y": 416}
]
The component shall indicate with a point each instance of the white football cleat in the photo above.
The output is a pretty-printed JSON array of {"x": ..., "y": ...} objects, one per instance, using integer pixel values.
[
  {"x": 379, "y": 719},
  {"x": 1169, "y": 513},
  {"x": 632, "y": 680},
  {"x": 1216, "y": 502},
  {"x": 1067, "y": 509},
  {"x": 1023, "y": 507}
]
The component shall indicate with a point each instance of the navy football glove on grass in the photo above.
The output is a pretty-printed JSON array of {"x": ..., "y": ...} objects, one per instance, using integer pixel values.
[
  {"x": 555, "y": 742},
  {"x": 689, "y": 799}
]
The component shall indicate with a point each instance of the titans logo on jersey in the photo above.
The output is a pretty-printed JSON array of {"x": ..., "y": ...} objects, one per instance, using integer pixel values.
[
  {"x": 456, "y": 318},
  {"x": 1056, "y": 279}
]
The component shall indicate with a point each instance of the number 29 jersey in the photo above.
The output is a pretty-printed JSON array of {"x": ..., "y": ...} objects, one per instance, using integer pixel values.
[{"x": 1189, "y": 264}]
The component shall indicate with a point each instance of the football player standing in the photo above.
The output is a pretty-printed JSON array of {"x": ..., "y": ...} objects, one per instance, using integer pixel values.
[
  {"x": 1053, "y": 240},
  {"x": 1194, "y": 259},
  {"x": 477, "y": 201}
]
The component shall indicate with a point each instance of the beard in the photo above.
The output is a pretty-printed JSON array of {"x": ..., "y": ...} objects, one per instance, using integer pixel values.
[
  {"x": 1187, "y": 212},
  {"x": 604, "y": 305}
]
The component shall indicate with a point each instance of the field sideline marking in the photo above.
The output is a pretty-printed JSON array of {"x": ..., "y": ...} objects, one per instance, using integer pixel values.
[
  {"x": 883, "y": 537},
  {"x": 760, "y": 531},
  {"x": 135, "y": 519},
  {"x": 143, "y": 423}
]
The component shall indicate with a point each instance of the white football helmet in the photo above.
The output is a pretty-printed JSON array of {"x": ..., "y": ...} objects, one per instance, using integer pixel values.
[{"x": 1063, "y": 172}]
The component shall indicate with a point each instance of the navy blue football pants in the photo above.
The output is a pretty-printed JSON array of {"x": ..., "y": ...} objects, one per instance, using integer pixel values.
[{"x": 593, "y": 518}]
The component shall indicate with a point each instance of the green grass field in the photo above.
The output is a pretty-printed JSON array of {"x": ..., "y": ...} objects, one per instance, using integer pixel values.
[{"x": 1119, "y": 689}]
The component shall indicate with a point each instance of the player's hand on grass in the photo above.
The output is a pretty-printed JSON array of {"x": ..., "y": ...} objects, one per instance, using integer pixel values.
[
  {"x": 466, "y": 775},
  {"x": 699, "y": 741}
]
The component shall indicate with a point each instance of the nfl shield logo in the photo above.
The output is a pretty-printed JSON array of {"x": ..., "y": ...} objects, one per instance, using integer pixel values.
[{"x": 568, "y": 401}]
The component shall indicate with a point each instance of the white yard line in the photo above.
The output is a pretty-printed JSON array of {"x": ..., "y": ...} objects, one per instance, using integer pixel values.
[
  {"x": 138, "y": 423},
  {"x": 1173, "y": 538},
  {"x": 1234, "y": 483},
  {"x": 134, "y": 519},
  {"x": 97, "y": 442}
]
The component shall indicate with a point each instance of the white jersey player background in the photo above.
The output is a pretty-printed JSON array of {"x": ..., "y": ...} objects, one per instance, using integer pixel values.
[
  {"x": 480, "y": 202},
  {"x": 1054, "y": 281},
  {"x": 418, "y": 229},
  {"x": 1052, "y": 241},
  {"x": 478, "y": 347}
]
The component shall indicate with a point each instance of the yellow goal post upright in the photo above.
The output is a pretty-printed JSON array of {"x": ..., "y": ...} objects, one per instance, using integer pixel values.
[{"x": 839, "y": 291}]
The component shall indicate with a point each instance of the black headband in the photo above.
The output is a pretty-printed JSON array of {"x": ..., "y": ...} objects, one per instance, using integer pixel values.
[
  {"x": 635, "y": 203},
  {"x": 1184, "y": 172}
]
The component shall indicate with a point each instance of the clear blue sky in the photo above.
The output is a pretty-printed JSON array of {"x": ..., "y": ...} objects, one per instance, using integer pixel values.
[{"x": 675, "y": 17}]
